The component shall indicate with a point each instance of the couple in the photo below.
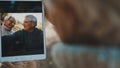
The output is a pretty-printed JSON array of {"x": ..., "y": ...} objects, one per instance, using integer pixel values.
[
  {"x": 22, "y": 42},
  {"x": 29, "y": 38}
]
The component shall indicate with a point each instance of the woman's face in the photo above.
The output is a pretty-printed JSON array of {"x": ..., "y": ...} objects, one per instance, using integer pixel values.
[{"x": 10, "y": 23}]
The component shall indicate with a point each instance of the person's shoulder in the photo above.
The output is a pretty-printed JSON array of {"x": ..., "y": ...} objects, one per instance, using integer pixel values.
[
  {"x": 19, "y": 31},
  {"x": 38, "y": 30}
]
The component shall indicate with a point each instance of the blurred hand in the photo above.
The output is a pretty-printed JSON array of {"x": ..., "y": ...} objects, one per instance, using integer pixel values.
[{"x": 27, "y": 64}]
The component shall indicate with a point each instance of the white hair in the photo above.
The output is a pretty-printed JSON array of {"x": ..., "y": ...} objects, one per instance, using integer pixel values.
[
  {"x": 32, "y": 19},
  {"x": 7, "y": 17}
]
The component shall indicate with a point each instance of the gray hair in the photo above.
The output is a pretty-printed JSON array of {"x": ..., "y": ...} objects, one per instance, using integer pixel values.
[
  {"x": 7, "y": 17},
  {"x": 32, "y": 19}
]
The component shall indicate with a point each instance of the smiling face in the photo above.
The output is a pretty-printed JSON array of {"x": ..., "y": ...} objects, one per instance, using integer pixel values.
[
  {"x": 10, "y": 23},
  {"x": 28, "y": 24}
]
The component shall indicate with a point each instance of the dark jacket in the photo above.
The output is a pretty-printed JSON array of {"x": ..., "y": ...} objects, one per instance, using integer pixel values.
[{"x": 23, "y": 43}]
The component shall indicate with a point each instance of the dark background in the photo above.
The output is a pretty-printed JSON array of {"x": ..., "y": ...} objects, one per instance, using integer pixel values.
[{"x": 20, "y": 6}]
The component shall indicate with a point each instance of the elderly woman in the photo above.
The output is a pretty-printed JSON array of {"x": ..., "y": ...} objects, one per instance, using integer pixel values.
[{"x": 89, "y": 31}]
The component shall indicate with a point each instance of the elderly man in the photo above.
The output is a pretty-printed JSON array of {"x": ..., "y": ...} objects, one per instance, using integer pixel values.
[
  {"x": 7, "y": 25},
  {"x": 26, "y": 41}
]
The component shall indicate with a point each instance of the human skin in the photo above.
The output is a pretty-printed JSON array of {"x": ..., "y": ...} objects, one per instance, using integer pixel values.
[
  {"x": 85, "y": 22},
  {"x": 26, "y": 64},
  {"x": 10, "y": 23}
]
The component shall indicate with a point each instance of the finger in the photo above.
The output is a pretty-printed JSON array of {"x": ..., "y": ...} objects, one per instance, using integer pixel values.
[
  {"x": 28, "y": 62},
  {"x": 18, "y": 63},
  {"x": 8, "y": 65},
  {"x": 31, "y": 64}
]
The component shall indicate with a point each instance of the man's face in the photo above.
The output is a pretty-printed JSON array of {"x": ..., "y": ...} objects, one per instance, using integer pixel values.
[
  {"x": 10, "y": 23},
  {"x": 28, "y": 25}
]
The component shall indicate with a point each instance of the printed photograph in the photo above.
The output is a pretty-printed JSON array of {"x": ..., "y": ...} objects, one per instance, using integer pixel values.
[{"x": 22, "y": 34}]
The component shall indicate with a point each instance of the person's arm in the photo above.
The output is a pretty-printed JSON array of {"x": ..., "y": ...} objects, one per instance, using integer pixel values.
[
  {"x": 11, "y": 37},
  {"x": 8, "y": 43}
]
